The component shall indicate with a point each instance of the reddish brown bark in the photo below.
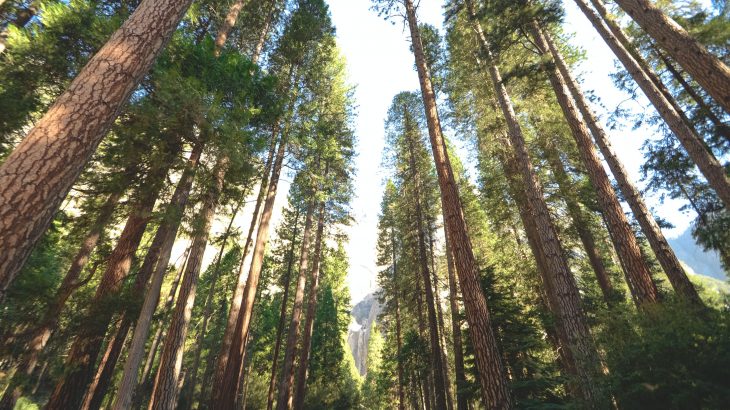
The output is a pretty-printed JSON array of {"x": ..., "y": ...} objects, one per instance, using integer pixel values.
[
  {"x": 37, "y": 175},
  {"x": 228, "y": 24}
]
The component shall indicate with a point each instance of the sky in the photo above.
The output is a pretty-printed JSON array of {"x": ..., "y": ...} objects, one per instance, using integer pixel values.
[{"x": 380, "y": 65}]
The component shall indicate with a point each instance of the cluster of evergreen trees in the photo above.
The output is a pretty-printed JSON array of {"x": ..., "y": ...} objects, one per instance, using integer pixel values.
[
  {"x": 162, "y": 133},
  {"x": 534, "y": 288}
]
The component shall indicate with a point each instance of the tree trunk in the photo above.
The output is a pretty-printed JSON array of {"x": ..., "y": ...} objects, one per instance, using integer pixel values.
[
  {"x": 282, "y": 316},
  {"x": 398, "y": 331},
  {"x": 558, "y": 281},
  {"x": 284, "y": 396},
  {"x": 264, "y": 34},
  {"x": 461, "y": 401},
  {"x": 580, "y": 223},
  {"x": 487, "y": 357},
  {"x": 100, "y": 384},
  {"x": 37, "y": 175},
  {"x": 167, "y": 230},
  {"x": 638, "y": 276},
  {"x": 442, "y": 327},
  {"x": 707, "y": 69},
  {"x": 663, "y": 251},
  {"x": 40, "y": 335},
  {"x": 225, "y": 385},
  {"x": 166, "y": 388},
  {"x": 434, "y": 338},
  {"x": 692, "y": 143},
  {"x": 303, "y": 363},
  {"x": 228, "y": 24},
  {"x": 70, "y": 389}
]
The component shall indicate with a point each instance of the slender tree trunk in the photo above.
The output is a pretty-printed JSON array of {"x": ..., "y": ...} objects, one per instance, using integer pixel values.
[
  {"x": 461, "y": 401},
  {"x": 487, "y": 357},
  {"x": 265, "y": 29},
  {"x": 167, "y": 230},
  {"x": 282, "y": 315},
  {"x": 225, "y": 385},
  {"x": 663, "y": 251},
  {"x": 638, "y": 275},
  {"x": 442, "y": 327},
  {"x": 558, "y": 279},
  {"x": 284, "y": 397},
  {"x": 398, "y": 331},
  {"x": 42, "y": 333},
  {"x": 692, "y": 143},
  {"x": 208, "y": 309},
  {"x": 166, "y": 388},
  {"x": 100, "y": 384},
  {"x": 228, "y": 23},
  {"x": 707, "y": 69},
  {"x": 580, "y": 223},
  {"x": 436, "y": 362},
  {"x": 70, "y": 389},
  {"x": 37, "y": 175},
  {"x": 303, "y": 362}
]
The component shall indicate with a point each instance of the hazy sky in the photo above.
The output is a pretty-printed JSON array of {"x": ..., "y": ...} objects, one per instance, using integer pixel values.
[{"x": 381, "y": 65}]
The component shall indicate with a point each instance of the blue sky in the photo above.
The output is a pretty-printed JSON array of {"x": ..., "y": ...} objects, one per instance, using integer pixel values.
[{"x": 381, "y": 65}]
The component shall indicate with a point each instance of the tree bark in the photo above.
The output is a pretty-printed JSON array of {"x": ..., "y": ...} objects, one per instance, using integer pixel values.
[
  {"x": 166, "y": 387},
  {"x": 459, "y": 374},
  {"x": 228, "y": 24},
  {"x": 70, "y": 389},
  {"x": 167, "y": 230},
  {"x": 282, "y": 316},
  {"x": 488, "y": 360},
  {"x": 707, "y": 69},
  {"x": 284, "y": 397},
  {"x": 303, "y": 363},
  {"x": 40, "y": 335},
  {"x": 659, "y": 244},
  {"x": 37, "y": 175},
  {"x": 264, "y": 34},
  {"x": 559, "y": 282},
  {"x": 100, "y": 384},
  {"x": 225, "y": 385},
  {"x": 710, "y": 167}
]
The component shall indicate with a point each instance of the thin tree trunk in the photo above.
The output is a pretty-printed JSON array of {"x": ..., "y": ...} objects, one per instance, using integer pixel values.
[
  {"x": 558, "y": 279},
  {"x": 166, "y": 388},
  {"x": 70, "y": 389},
  {"x": 663, "y": 251},
  {"x": 707, "y": 69},
  {"x": 282, "y": 316},
  {"x": 37, "y": 175},
  {"x": 434, "y": 338},
  {"x": 487, "y": 357},
  {"x": 42, "y": 333},
  {"x": 461, "y": 401},
  {"x": 264, "y": 34},
  {"x": 442, "y": 327},
  {"x": 580, "y": 223},
  {"x": 303, "y": 362},
  {"x": 100, "y": 384},
  {"x": 167, "y": 230},
  {"x": 284, "y": 397},
  {"x": 398, "y": 331},
  {"x": 225, "y": 385},
  {"x": 638, "y": 276},
  {"x": 710, "y": 167}
]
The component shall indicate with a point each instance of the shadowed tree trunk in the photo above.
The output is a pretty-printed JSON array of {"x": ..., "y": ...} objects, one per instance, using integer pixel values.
[
  {"x": 167, "y": 230},
  {"x": 166, "y": 388},
  {"x": 487, "y": 357},
  {"x": 282, "y": 315},
  {"x": 37, "y": 175},
  {"x": 557, "y": 279},
  {"x": 707, "y": 69},
  {"x": 663, "y": 251},
  {"x": 710, "y": 167},
  {"x": 461, "y": 401},
  {"x": 264, "y": 34},
  {"x": 398, "y": 331}
]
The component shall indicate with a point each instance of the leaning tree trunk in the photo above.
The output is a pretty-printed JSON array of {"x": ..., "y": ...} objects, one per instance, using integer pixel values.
[
  {"x": 434, "y": 338},
  {"x": 707, "y": 69},
  {"x": 692, "y": 143},
  {"x": 37, "y": 175},
  {"x": 659, "y": 244},
  {"x": 284, "y": 397},
  {"x": 228, "y": 23},
  {"x": 558, "y": 280},
  {"x": 459, "y": 374},
  {"x": 225, "y": 384},
  {"x": 40, "y": 335},
  {"x": 265, "y": 29},
  {"x": 282, "y": 315},
  {"x": 638, "y": 276},
  {"x": 492, "y": 376},
  {"x": 166, "y": 387},
  {"x": 70, "y": 389}
]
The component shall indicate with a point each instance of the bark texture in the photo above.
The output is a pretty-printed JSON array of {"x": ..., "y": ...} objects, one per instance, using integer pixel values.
[
  {"x": 37, "y": 175},
  {"x": 228, "y": 24},
  {"x": 487, "y": 357}
]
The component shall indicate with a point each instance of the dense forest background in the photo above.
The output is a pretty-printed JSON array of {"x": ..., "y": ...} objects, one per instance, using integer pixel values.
[{"x": 176, "y": 180}]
